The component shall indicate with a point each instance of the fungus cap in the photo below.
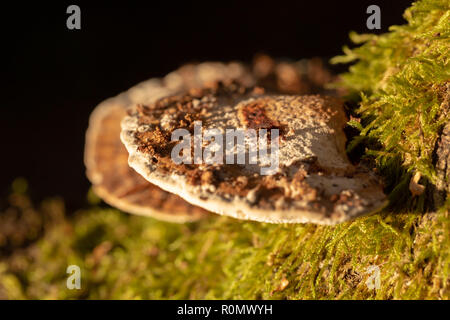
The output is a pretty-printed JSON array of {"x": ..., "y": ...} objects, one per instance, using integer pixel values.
[{"x": 314, "y": 182}]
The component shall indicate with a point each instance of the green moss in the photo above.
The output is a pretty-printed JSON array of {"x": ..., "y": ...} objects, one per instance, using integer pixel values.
[
  {"x": 403, "y": 78},
  {"x": 131, "y": 257}
]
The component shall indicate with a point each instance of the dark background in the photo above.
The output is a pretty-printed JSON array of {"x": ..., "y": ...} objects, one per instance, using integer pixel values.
[{"x": 54, "y": 77}]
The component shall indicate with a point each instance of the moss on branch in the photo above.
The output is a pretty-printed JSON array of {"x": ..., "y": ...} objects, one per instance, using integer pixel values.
[{"x": 403, "y": 80}]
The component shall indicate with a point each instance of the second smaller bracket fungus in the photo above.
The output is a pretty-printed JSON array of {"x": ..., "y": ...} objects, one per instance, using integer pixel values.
[{"x": 119, "y": 185}]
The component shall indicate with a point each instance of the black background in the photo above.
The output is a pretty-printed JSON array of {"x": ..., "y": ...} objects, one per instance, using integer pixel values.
[
  {"x": 281, "y": 309},
  {"x": 54, "y": 77}
]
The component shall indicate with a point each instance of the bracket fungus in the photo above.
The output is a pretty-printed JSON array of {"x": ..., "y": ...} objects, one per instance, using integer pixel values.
[{"x": 312, "y": 179}]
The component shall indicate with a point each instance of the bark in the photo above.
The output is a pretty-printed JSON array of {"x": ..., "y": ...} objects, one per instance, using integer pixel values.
[{"x": 442, "y": 189}]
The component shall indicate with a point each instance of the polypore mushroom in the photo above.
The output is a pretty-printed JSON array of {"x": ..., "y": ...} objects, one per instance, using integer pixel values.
[{"x": 313, "y": 180}]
